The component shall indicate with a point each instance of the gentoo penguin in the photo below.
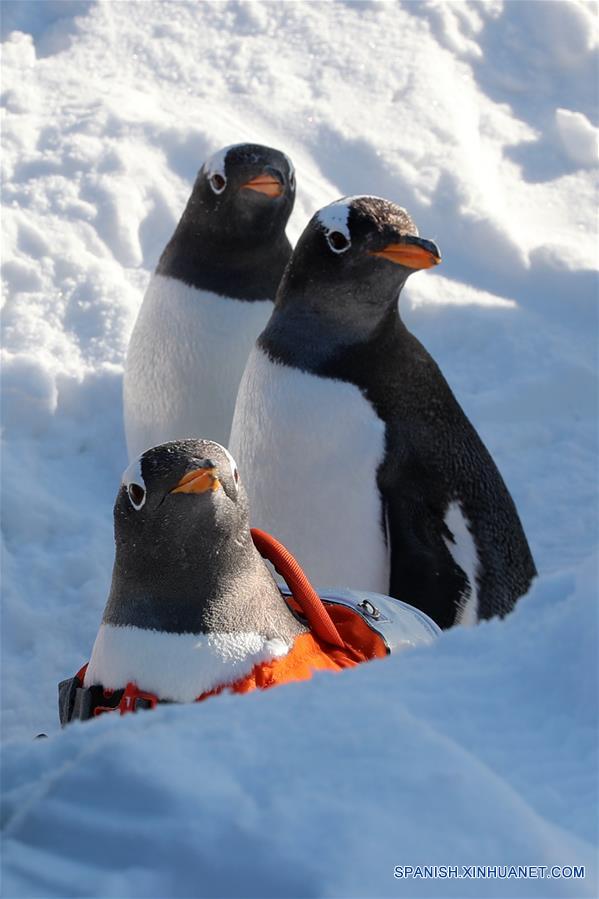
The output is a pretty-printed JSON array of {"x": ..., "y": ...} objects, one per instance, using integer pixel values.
[
  {"x": 209, "y": 298},
  {"x": 192, "y": 604},
  {"x": 376, "y": 478},
  {"x": 193, "y": 608}
]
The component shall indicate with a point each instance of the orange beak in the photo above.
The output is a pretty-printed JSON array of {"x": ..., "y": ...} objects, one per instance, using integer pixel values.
[
  {"x": 199, "y": 481},
  {"x": 409, "y": 254},
  {"x": 265, "y": 184}
]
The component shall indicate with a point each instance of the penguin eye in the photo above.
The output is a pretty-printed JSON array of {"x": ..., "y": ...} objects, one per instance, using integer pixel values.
[
  {"x": 338, "y": 242},
  {"x": 137, "y": 495},
  {"x": 218, "y": 183},
  {"x": 292, "y": 180},
  {"x": 236, "y": 476}
]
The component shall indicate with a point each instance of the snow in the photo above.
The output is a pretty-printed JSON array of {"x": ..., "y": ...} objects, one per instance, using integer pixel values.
[
  {"x": 578, "y": 136},
  {"x": 474, "y": 751},
  {"x": 479, "y": 119}
]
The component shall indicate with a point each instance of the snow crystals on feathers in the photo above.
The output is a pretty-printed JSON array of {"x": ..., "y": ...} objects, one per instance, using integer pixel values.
[{"x": 335, "y": 216}]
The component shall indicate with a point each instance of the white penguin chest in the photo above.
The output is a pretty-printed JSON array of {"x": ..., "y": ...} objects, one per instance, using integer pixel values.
[
  {"x": 178, "y": 667},
  {"x": 308, "y": 450},
  {"x": 186, "y": 356}
]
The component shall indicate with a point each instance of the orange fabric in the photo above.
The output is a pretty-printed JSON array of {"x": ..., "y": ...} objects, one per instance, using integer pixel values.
[
  {"x": 309, "y": 654},
  {"x": 358, "y": 638}
]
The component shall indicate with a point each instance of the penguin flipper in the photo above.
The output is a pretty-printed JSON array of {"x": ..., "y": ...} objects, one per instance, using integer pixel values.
[{"x": 423, "y": 571}]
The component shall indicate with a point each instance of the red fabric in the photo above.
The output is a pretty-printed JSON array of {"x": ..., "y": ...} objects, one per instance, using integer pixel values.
[{"x": 81, "y": 673}]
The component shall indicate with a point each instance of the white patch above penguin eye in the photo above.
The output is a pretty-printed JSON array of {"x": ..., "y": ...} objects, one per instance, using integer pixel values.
[
  {"x": 233, "y": 465},
  {"x": 217, "y": 182},
  {"x": 335, "y": 216},
  {"x": 214, "y": 169},
  {"x": 135, "y": 485},
  {"x": 334, "y": 220},
  {"x": 338, "y": 242},
  {"x": 137, "y": 495}
]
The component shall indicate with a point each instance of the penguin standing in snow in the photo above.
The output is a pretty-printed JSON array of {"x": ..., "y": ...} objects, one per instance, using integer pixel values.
[
  {"x": 193, "y": 608},
  {"x": 376, "y": 478},
  {"x": 209, "y": 298}
]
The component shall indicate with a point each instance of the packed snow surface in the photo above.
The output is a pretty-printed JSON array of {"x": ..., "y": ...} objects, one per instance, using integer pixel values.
[{"x": 481, "y": 120}]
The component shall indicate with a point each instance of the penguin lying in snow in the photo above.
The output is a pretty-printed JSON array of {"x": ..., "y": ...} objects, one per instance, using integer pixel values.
[
  {"x": 209, "y": 298},
  {"x": 376, "y": 478},
  {"x": 194, "y": 609}
]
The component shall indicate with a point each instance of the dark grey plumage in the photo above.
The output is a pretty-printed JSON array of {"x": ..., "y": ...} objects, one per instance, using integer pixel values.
[{"x": 186, "y": 562}]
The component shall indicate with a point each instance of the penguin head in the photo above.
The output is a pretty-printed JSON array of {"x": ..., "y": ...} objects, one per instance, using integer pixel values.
[
  {"x": 363, "y": 247},
  {"x": 248, "y": 190},
  {"x": 185, "y": 560},
  {"x": 179, "y": 496}
]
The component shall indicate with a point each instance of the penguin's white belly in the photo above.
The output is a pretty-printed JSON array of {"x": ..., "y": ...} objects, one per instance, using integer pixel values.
[
  {"x": 179, "y": 667},
  {"x": 186, "y": 356},
  {"x": 308, "y": 450}
]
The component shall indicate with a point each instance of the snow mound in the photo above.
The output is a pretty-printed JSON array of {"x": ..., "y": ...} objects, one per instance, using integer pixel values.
[
  {"x": 477, "y": 750},
  {"x": 578, "y": 136}
]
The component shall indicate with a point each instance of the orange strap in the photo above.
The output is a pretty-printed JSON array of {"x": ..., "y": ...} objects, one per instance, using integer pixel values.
[{"x": 304, "y": 593}]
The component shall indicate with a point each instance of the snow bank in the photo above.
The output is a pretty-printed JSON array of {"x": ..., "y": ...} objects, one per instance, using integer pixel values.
[
  {"x": 479, "y": 119},
  {"x": 478, "y": 750},
  {"x": 578, "y": 136}
]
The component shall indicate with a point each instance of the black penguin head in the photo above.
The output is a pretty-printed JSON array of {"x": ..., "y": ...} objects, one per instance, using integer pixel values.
[
  {"x": 182, "y": 538},
  {"x": 357, "y": 250},
  {"x": 248, "y": 191},
  {"x": 185, "y": 559},
  {"x": 181, "y": 495},
  {"x": 231, "y": 237}
]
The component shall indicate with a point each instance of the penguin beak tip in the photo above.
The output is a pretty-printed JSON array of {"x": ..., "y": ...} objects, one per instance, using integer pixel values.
[
  {"x": 411, "y": 255},
  {"x": 265, "y": 184},
  {"x": 200, "y": 480}
]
